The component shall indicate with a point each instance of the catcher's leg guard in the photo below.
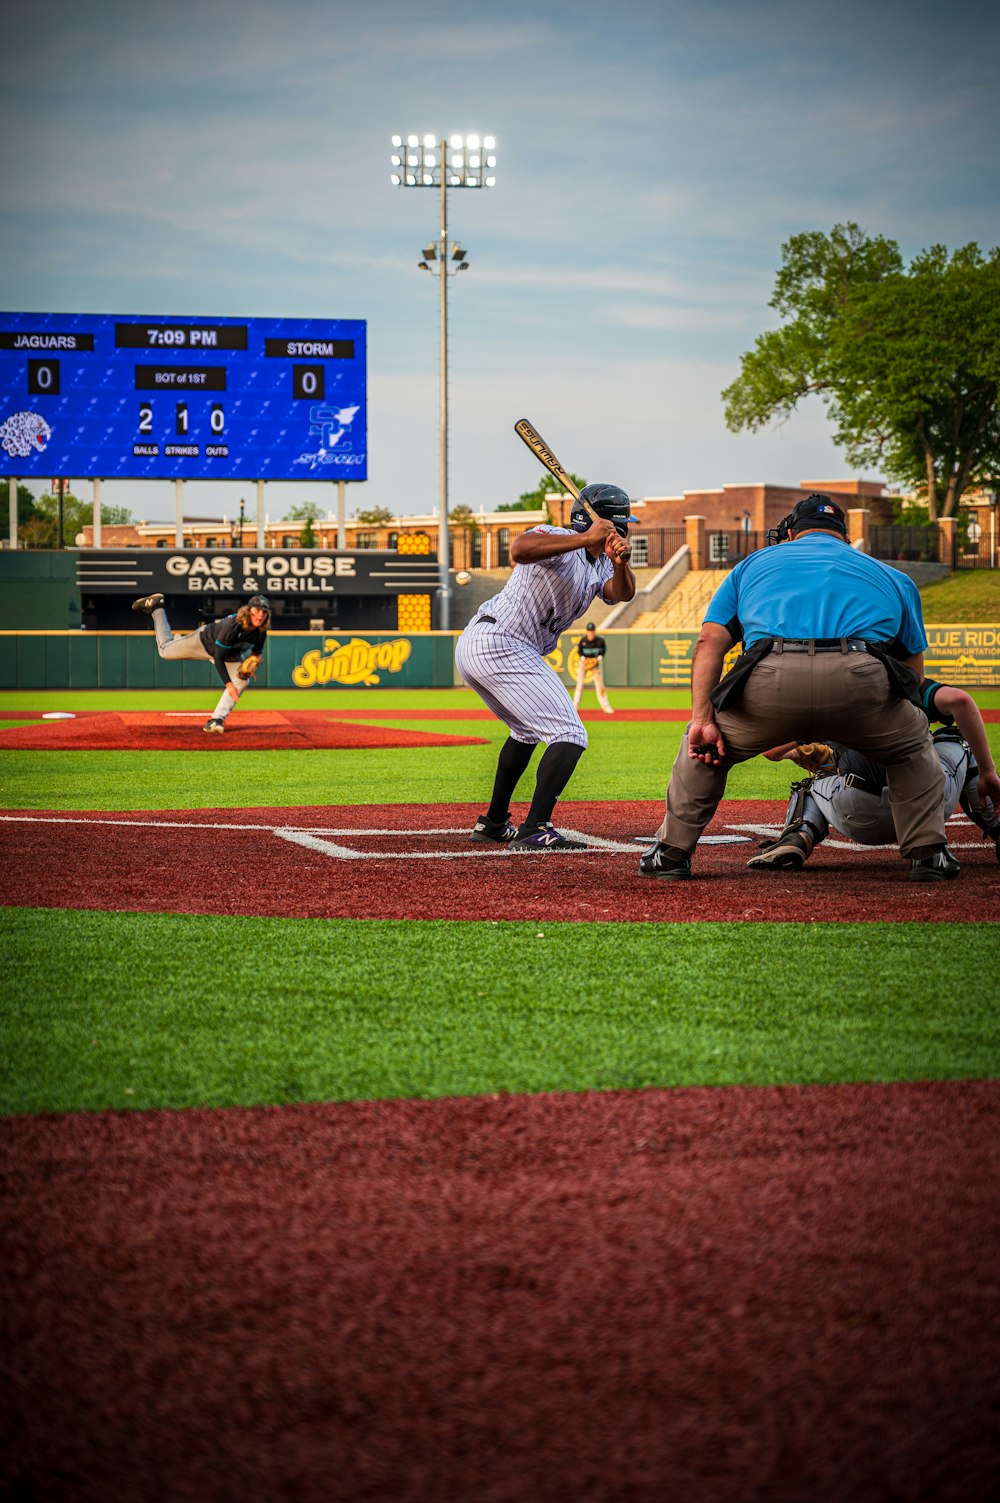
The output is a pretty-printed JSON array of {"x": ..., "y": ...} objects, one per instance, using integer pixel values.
[
  {"x": 805, "y": 827},
  {"x": 987, "y": 819}
]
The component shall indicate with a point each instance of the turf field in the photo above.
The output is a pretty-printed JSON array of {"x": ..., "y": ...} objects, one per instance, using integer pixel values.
[{"x": 534, "y": 1140}]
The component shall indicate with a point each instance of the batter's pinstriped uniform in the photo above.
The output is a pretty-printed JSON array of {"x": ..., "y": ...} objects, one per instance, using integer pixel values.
[{"x": 501, "y": 653}]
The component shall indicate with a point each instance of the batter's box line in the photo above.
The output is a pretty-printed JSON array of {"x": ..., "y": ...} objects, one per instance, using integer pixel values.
[
  {"x": 316, "y": 836},
  {"x": 319, "y": 841},
  {"x": 837, "y": 842}
]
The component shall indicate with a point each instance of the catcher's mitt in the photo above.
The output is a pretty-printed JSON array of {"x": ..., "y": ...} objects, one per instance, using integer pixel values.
[
  {"x": 817, "y": 757},
  {"x": 249, "y": 666}
]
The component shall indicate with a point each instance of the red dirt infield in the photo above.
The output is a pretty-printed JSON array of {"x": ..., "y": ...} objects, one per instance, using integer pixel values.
[
  {"x": 717, "y": 1295},
  {"x": 413, "y": 862},
  {"x": 249, "y": 730}
]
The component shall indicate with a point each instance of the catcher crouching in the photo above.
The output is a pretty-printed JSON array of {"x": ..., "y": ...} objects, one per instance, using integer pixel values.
[{"x": 235, "y": 644}]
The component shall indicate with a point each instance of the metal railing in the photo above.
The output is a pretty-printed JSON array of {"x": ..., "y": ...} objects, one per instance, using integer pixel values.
[
  {"x": 651, "y": 548},
  {"x": 726, "y": 549},
  {"x": 975, "y": 550},
  {"x": 914, "y": 545}
]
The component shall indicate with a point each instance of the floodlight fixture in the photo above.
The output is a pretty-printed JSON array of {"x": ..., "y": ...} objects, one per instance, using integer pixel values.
[{"x": 451, "y": 162}]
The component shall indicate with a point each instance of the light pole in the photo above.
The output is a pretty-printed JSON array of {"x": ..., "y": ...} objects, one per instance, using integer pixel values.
[{"x": 460, "y": 162}]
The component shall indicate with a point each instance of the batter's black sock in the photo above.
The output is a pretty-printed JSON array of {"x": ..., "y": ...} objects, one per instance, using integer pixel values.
[
  {"x": 554, "y": 772},
  {"x": 514, "y": 758}
]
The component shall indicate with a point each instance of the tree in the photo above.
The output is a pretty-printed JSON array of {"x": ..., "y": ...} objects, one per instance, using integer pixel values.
[
  {"x": 906, "y": 360},
  {"x": 462, "y": 516},
  {"x": 375, "y": 516},
  {"x": 307, "y": 512},
  {"x": 41, "y": 529},
  {"x": 538, "y": 498},
  {"x": 25, "y": 507}
]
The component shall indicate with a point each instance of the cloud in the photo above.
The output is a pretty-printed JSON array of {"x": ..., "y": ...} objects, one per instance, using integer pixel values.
[{"x": 653, "y": 157}]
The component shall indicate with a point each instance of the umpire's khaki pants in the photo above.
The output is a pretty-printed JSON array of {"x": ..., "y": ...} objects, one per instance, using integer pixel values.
[{"x": 832, "y": 696}]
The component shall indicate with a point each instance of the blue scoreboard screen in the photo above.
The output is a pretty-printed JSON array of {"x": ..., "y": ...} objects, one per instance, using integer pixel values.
[{"x": 122, "y": 397}]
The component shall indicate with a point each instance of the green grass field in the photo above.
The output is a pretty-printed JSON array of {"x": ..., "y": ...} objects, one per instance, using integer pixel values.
[
  {"x": 225, "y": 1011},
  {"x": 962, "y": 596},
  {"x": 379, "y": 1009}
]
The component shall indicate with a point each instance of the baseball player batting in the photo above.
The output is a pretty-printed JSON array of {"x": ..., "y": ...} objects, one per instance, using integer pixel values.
[{"x": 501, "y": 654}]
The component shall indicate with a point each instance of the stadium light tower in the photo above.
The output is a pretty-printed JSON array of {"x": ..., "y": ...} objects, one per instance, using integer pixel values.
[{"x": 455, "y": 162}]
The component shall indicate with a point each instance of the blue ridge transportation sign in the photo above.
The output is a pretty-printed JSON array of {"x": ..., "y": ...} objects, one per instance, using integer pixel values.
[{"x": 122, "y": 397}]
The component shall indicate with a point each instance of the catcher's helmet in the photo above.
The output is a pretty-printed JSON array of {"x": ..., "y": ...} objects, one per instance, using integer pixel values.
[
  {"x": 609, "y": 501},
  {"x": 261, "y": 602},
  {"x": 816, "y": 510}
]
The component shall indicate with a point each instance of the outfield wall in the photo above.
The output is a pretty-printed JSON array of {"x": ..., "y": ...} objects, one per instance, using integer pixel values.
[{"x": 314, "y": 661}]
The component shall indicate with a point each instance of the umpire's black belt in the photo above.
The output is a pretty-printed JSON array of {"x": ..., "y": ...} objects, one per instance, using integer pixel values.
[{"x": 819, "y": 644}]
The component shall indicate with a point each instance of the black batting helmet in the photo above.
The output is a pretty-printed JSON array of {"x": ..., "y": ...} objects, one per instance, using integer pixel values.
[
  {"x": 609, "y": 501},
  {"x": 261, "y": 602}
]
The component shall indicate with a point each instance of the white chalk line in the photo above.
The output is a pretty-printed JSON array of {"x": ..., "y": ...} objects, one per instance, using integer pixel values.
[{"x": 325, "y": 841}]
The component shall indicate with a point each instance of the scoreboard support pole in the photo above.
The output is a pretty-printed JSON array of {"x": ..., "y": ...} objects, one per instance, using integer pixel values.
[
  {"x": 179, "y": 513},
  {"x": 260, "y": 514},
  {"x": 97, "y": 513},
  {"x": 12, "y": 503},
  {"x": 342, "y": 515}
]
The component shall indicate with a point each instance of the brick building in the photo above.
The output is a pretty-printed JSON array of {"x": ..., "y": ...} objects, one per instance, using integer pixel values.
[
  {"x": 481, "y": 540},
  {"x": 758, "y": 507}
]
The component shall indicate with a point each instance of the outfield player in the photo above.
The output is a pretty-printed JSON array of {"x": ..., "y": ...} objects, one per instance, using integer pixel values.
[
  {"x": 849, "y": 791},
  {"x": 590, "y": 650},
  {"x": 501, "y": 654},
  {"x": 834, "y": 643},
  {"x": 235, "y": 644}
]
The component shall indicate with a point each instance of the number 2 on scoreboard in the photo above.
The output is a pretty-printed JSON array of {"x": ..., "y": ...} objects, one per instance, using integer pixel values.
[{"x": 216, "y": 421}]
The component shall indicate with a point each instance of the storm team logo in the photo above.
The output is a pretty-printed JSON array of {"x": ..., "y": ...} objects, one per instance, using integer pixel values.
[
  {"x": 24, "y": 433},
  {"x": 330, "y": 424}
]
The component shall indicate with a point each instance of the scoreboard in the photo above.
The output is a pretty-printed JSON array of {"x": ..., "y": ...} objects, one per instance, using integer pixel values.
[{"x": 106, "y": 396}]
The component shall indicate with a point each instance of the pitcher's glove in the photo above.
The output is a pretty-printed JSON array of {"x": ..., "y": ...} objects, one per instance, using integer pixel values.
[
  {"x": 816, "y": 757},
  {"x": 249, "y": 666}
]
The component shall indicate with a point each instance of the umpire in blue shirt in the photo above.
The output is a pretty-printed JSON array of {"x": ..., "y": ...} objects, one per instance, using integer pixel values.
[{"x": 833, "y": 649}]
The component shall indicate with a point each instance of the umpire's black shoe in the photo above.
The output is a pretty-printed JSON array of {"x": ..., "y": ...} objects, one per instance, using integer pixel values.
[
  {"x": 500, "y": 830},
  {"x": 666, "y": 862},
  {"x": 148, "y": 604},
  {"x": 934, "y": 864}
]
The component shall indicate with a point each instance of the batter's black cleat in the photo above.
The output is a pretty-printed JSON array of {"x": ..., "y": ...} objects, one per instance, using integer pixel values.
[
  {"x": 214, "y": 727},
  {"x": 789, "y": 853},
  {"x": 666, "y": 862},
  {"x": 500, "y": 831},
  {"x": 148, "y": 604},
  {"x": 934, "y": 865},
  {"x": 544, "y": 837}
]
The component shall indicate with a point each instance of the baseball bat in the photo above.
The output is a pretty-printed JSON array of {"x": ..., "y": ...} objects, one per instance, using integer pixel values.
[{"x": 541, "y": 450}]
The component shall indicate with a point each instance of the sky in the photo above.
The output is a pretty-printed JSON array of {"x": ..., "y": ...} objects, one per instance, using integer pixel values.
[{"x": 202, "y": 157}]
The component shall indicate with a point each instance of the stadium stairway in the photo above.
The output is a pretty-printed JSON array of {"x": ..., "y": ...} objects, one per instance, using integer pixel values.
[{"x": 686, "y": 604}]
